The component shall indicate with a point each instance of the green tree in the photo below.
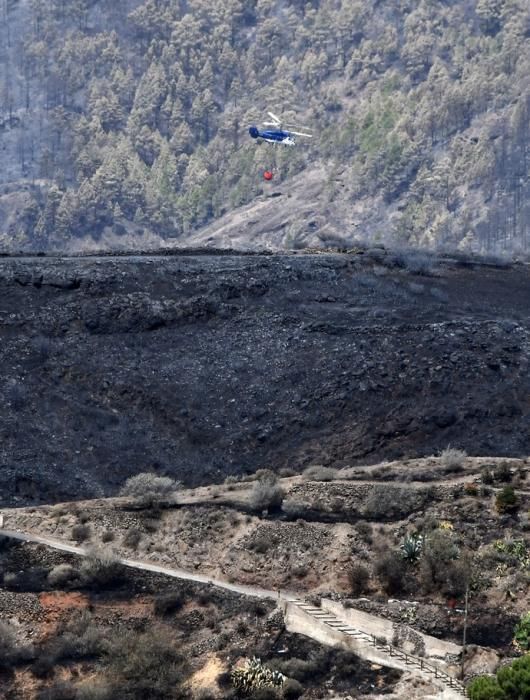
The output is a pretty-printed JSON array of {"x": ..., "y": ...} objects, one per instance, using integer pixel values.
[
  {"x": 515, "y": 679},
  {"x": 485, "y": 688}
]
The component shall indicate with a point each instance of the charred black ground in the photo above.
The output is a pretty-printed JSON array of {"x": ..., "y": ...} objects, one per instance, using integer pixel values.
[{"x": 204, "y": 366}]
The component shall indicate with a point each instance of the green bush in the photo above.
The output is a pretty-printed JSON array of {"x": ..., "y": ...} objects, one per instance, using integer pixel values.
[
  {"x": 511, "y": 683},
  {"x": 485, "y": 688},
  {"x": 515, "y": 679},
  {"x": 506, "y": 501},
  {"x": 522, "y": 633}
]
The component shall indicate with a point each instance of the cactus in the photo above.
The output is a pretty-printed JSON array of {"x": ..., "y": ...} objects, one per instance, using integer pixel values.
[{"x": 253, "y": 675}]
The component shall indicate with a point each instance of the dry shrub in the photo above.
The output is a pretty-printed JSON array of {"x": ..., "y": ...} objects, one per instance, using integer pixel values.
[
  {"x": 391, "y": 570},
  {"x": 390, "y": 503},
  {"x": 266, "y": 494},
  {"x": 101, "y": 568},
  {"x": 503, "y": 473},
  {"x": 145, "y": 666},
  {"x": 300, "y": 570},
  {"x": 149, "y": 489},
  {"x": 61, "y": 574},
  {"x": 415, "y": 262},
  {"x": 441, "y": 570},
  {"x": 81, "y": 533},
  {"x": 295, "y": 509},
  {"x": 168, "y": 603},
  {"x": 452, "y": 459},
  {"x": 264, "y": 475},
  {"x": 364, "y": 530},
  {"x": 132, "y": 538},
  {"x": 10, "y": 651},
  {"x": 359, "y": 579},
  {"x": 80, "y": 638},
  {"x": 107, "y": 536},
  {"x": 262, "y": 542},
  {"x": 317, "y": 472}
]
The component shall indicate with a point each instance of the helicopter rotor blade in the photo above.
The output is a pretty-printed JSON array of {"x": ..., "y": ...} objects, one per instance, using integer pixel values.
[
  {"x": 297, "y": 126},
  {"x": 274, "y": 117},
  {"x": 297, "y": 133}
]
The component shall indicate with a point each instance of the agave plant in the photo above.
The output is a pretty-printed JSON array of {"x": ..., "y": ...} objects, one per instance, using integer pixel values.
[{"x": 412, "y": 547}]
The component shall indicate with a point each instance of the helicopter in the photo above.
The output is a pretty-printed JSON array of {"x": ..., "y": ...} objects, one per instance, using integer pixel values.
[{"x": 278, "y": 134}]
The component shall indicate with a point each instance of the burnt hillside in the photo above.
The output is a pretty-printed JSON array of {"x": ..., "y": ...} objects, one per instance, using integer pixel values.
[{"x": 204, "y": 366}]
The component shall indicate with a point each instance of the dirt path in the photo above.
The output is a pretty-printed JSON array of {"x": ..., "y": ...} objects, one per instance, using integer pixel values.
[{"x": 254, "y": 591}]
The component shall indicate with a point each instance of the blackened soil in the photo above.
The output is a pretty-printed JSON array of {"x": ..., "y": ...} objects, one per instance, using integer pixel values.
[{"x": 205, "y": 366}]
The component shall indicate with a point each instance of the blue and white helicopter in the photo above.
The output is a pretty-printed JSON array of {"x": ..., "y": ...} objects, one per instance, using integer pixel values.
[{"x": 277, "y": 135}]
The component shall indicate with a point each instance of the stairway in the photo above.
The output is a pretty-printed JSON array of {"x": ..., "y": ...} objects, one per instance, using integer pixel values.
[{"x": 396, "y": 657}]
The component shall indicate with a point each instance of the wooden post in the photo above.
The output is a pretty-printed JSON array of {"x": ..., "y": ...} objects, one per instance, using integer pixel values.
[{"x": 464, "y": 633}]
